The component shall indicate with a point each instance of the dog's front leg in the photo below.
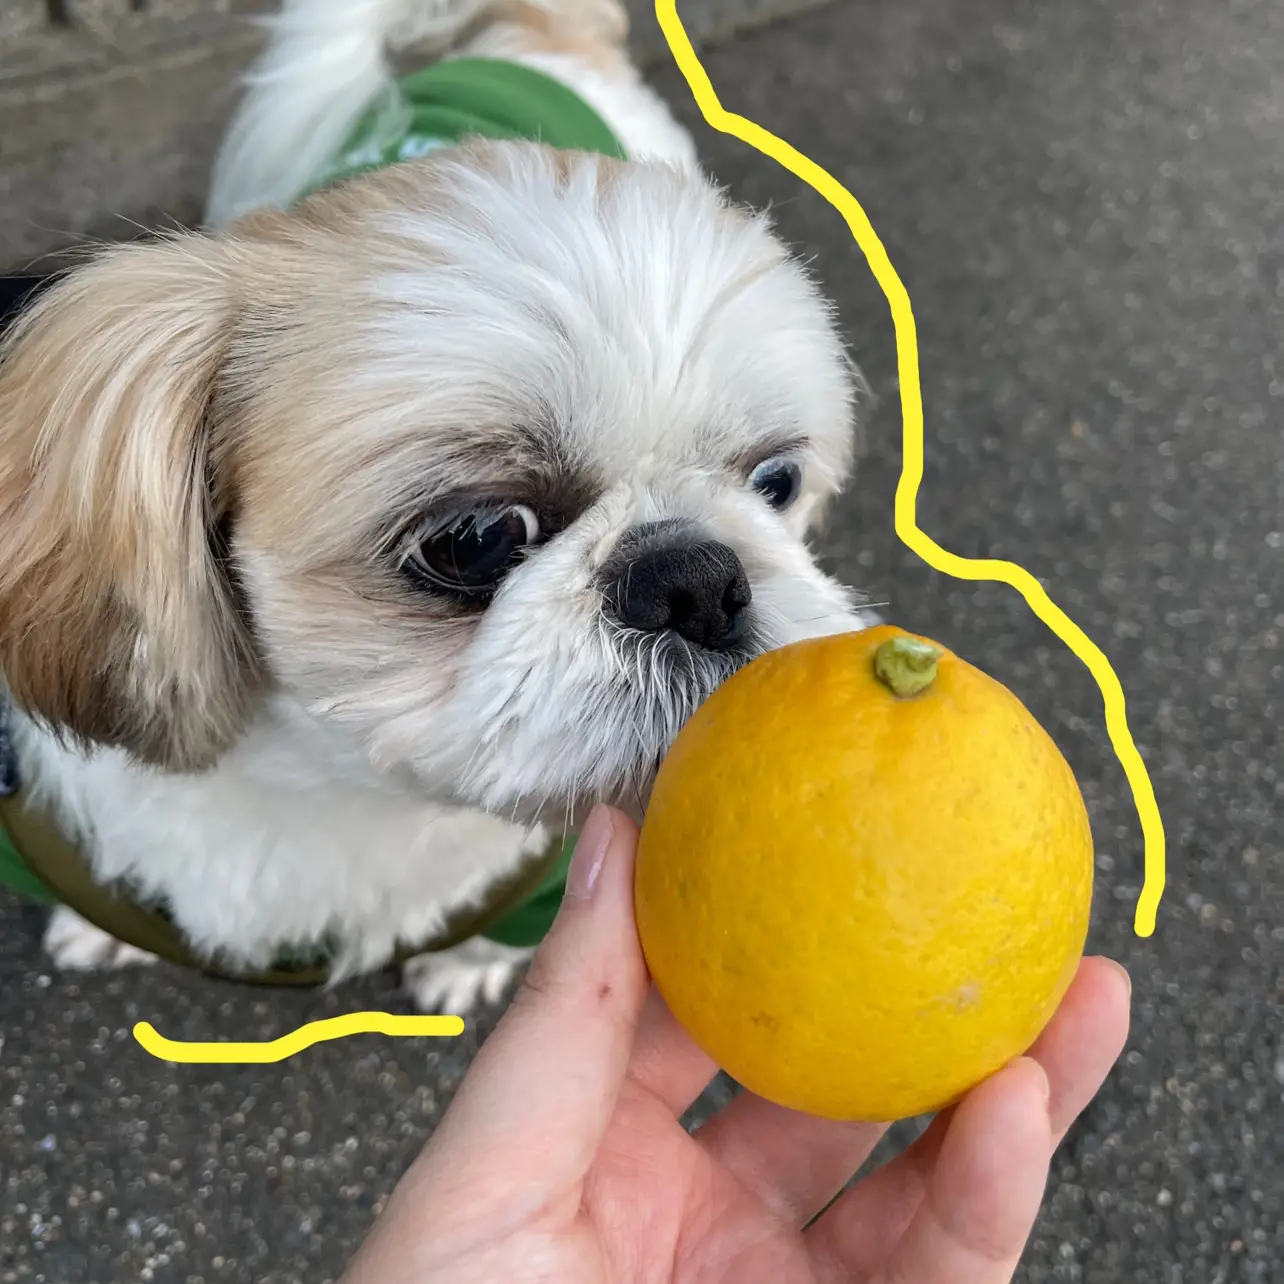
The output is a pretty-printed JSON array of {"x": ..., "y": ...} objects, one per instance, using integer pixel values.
[
  {"x": 76, "y": 945},
  {"x": 455, "y": 981}
]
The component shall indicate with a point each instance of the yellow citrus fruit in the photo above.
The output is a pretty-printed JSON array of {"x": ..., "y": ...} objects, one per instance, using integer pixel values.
[{"x": 864, "y": 877}]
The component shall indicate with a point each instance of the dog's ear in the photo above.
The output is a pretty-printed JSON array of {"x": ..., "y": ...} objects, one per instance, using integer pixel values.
[{"x": 120, "y": 622}]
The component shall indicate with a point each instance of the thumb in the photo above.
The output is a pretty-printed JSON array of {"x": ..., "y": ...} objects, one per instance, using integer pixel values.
[{"x": 546, "y": 1081}]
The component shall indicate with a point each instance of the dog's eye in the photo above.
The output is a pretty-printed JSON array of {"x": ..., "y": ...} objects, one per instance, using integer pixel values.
[
  {"x": 778, "y": 481},
  {"x": 475, "y": 551}
]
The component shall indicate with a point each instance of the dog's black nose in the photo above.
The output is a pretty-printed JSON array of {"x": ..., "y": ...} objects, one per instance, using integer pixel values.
[{"x": 698, "y": 590}]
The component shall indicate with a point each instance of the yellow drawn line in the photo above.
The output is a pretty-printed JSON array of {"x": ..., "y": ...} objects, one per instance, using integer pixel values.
[
  {"x": 963, "y": 568},
  {"x": 304, "y": 1037}
]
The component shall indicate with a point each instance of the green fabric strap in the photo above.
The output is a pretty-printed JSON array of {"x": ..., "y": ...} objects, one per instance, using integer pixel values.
[
  {"x": 15, "y": 874},
  {"x": 528, "y": 923},
  {"x": 450, "y": 101},
  {"x": 519, "y": 913}
]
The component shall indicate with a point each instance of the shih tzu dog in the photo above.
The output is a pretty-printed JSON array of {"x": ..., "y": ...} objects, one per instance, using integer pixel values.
[{"x": 355, "y": 547}]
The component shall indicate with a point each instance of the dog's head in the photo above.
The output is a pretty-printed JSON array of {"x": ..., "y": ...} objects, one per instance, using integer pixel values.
[{"x": 497, "y": 463}]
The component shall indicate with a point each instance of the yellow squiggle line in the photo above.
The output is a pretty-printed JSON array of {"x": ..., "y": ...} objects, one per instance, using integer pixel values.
[
  {"x": 963, "y": 568},
  {"x": 304, "y": 1037}
]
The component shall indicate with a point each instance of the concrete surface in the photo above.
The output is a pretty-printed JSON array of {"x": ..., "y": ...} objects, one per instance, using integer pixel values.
[
  {"x": 1087, "y": 204},
  {"x": 109, "y": 119}
]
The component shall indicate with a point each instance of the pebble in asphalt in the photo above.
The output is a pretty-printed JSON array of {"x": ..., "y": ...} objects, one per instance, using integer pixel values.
[{"x": 1087, "y": 205}]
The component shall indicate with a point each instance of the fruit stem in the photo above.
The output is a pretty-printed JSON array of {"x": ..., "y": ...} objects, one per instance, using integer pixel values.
[{"x": 907, "y": 666}]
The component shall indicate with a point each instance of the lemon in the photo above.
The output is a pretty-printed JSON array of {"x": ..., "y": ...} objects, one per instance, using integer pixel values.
[{"x": 864, "y": 876}]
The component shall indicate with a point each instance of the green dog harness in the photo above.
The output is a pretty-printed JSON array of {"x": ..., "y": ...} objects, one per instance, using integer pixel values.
[
  {"x": 449, "y": 102},
  {"x": 39, "y": 863},
  {"x": 441, "y": 106}
]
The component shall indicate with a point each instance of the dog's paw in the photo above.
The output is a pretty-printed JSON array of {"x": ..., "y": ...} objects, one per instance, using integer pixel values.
[
  {"x": 452, "y": 982},
  {"x": 76, "y": 945}
]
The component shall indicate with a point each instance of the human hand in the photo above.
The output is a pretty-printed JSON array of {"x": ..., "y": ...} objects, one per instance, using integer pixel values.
[{"x": 562, "y": 1159}]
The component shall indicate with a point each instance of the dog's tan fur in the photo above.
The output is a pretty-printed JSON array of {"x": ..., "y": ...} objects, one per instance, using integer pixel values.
[{"x": 121, "y": 625}]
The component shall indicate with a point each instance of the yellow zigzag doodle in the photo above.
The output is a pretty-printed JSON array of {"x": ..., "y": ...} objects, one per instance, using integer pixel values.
[{"x": 963, "y": 568}]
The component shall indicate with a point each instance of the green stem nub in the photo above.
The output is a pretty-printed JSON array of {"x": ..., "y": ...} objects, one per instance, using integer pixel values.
[{"x": 906, "y": 666}]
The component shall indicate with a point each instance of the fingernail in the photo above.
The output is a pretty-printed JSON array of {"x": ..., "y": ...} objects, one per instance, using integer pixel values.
[
  {"x": 590, "y": 853},
  {"x": 1123, "y": 972},
  {"x": 1044, "y": 1086}
]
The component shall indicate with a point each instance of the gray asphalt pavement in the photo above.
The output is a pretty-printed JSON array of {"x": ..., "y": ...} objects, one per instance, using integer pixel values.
[{"x": 1086, "y": 202}]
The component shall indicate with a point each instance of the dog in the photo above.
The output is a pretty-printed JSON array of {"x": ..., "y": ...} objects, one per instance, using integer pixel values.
[{"x": 356, "y": 545}]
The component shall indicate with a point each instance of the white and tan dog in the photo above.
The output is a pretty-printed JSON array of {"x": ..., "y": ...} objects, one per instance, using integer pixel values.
[{"x": 352, "y": 547}]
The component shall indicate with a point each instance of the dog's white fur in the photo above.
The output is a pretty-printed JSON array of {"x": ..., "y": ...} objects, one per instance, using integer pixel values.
[{"x": 281, "y": 738}]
